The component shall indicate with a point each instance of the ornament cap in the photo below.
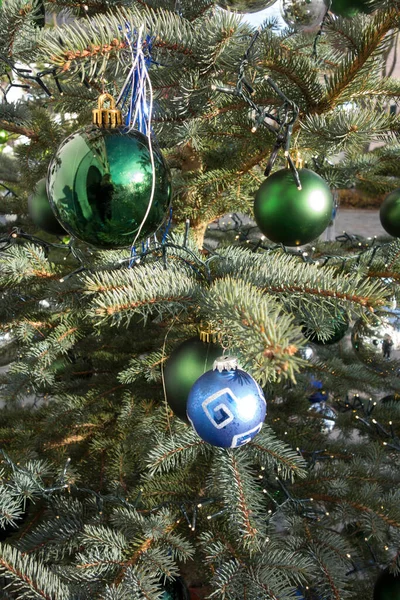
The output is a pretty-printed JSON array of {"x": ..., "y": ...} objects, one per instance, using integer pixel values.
[
  {"x": 225, "y": 363},
  {"x": 208, "y": 335},
  {"x": 107, "y": 118}
]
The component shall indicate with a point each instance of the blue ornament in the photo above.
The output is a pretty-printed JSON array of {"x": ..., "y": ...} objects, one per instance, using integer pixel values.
[
  {"x": 318, "y": 385},
  {"x": 319, "y": 396},
  {"x": 226, "y": 406}
]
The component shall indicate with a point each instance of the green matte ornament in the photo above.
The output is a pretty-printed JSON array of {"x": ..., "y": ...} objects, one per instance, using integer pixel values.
[
  {"x": 41, "y": 212},
  {"x": 185, "y": 365},
  {"x": 99, "y": 186},
  {"x": 390, "y": 213},
  {"x": 289, "y": 216},
  {"x": 246, "y": 6},
  {"x": 387, "y": 586},
  {"x": 349, "y": 8}
]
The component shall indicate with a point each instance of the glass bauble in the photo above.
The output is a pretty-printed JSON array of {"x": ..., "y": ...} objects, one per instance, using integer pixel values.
[
  {"x": 306, "y": 353},
  {"x": 245, "y": 6},
  {"x": 185, "y": 365},
  {"x": 390, "y": 213},
  {"x": 99, "y": 185},
  {"x": 349, "y": 8},
  {"x": 376, "y": 341},
  {"x": 8, "y": 348},
  {"x": 329, "y": 416},
  {"x": 304, "y": 15},
  {"x": 340, "y": 325},
  {"x": 290, "y": 216},
  {"x": 387, "y": 586},
  {"x": 41, "y": 212},
  {"x": 226, "y": 406}
]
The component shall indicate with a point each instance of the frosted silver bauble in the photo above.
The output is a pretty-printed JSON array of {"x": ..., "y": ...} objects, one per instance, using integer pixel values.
[
  {"x": 376, "y": 341},
  {"x": 304, "y": 15}
]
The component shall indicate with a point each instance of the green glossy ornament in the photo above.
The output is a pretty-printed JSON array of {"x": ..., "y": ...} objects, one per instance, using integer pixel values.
[
  {"x": 349, "y": 8},
  {"x": 390, "y": 213},
  {"x": 185, "y": 365},
  {"x": 290, "y": 216},
  {"x": 246, "y": 6},
  {"x": 41, "y": 212},
  {"x": 340, "y": 325},
  {"x": 3, "y": 134},
  {"x": 387, "y": 586},
  {"x": 99, "y": 185}
]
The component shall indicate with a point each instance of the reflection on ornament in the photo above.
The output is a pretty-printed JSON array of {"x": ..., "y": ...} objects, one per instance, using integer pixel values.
[
  {"x": 41, "y": 212},
  {"x": 376, "y": 341},
  {"x": 390, "y": 213},
  {"x": 387, "y": 586},
  {"x": 306, "y": 353},
  {"x": 330, "y": 416},
  {"x": 100, "y": 183},
  {"x": 226, "y": 406},
  {"x": 290, "y": 216},
  {"x": 246, "y": 6},
  {"x": 8, "y": 348},
  {"x": 304, "y": 15},
  {"x": 185, "y": 365}
]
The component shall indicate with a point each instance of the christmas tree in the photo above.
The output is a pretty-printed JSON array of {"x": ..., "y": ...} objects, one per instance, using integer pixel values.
[{"x": 130, "y": 468}]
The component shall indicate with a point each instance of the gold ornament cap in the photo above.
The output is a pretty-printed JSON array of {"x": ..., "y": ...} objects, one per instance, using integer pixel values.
[
  {"x": 208, "y": 335},
  {"x": 107, "y": 118}
]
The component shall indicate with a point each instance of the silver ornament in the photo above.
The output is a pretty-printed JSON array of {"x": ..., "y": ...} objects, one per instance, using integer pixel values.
[
  {"x": 329, "y": 421},
  {"x": 304, "y": 15},
  {"x": 376, "y": 341},
  {"x": 307, "y": 353},
  {"x": 245, "y": 6},
  {"x": 8, "y": 348}
]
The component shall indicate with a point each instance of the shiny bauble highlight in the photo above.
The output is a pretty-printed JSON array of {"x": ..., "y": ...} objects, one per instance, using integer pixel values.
[
  {"x": 289, "y": 216},
  {"x": 376, "y": 341},
  {"x": 99, "y": 185}
]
